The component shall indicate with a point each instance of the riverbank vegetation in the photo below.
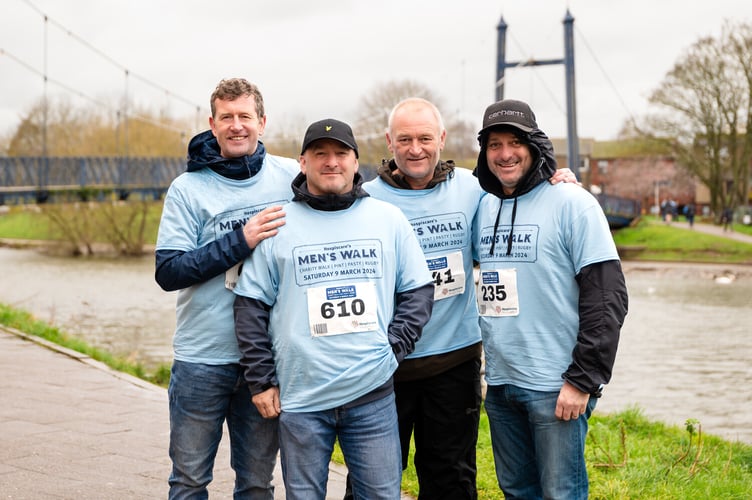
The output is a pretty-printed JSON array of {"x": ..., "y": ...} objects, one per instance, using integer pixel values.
[
  {"x": 628, "y": 456},
  {"x": 651, "y": 239},
  {"x": 25, "y": 322},
  {"x": 131, "y": 228},
  {"x": 86, "y": 228}
]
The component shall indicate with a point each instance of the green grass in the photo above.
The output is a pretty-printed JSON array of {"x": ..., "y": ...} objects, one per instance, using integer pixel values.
[
  {"x": 631, "y": 457},
  {"x": 25, "y": 322},
  {"x": 661, "y": 242},
  {"x": 24, "y": 224}
]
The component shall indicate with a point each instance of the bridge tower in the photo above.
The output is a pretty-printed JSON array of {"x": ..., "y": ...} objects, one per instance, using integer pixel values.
[{"x": 573, "y": 144}]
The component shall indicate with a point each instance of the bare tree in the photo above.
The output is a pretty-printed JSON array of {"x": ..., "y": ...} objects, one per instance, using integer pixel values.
[
  {"x": 284, "y": 137},
  {"x": 706, "y": 115},
  {"x": 92, "y": 131}
]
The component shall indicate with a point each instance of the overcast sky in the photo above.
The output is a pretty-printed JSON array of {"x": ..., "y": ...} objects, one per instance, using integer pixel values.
[{"x": 319, "y": 59}]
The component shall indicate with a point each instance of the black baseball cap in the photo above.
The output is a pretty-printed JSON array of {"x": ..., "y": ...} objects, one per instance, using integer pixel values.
[
  {"x": 509, "y": 112},
  {"x": 330, "y": 129}
]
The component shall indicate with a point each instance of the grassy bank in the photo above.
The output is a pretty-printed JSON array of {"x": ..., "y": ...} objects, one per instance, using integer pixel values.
[
  {"x": 25, "y": 322},
  {"x": 650, "y": 239}
]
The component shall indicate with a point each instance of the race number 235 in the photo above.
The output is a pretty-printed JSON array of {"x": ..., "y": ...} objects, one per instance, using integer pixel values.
[{"x": 497, "y": 293}]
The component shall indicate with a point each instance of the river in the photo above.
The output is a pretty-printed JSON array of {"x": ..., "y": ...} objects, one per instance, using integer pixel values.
[{"x": 685, "y": 349}]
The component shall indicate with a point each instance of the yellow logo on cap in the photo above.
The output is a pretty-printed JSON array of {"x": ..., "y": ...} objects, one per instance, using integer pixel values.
[{"x": 328, "y": 128}]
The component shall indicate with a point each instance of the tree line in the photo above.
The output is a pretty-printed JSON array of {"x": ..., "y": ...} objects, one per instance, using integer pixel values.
[{"x": 701, "y": 112}]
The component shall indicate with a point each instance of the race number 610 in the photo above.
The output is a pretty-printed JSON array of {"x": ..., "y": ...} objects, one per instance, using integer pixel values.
[{"x": 343, "y": 309}]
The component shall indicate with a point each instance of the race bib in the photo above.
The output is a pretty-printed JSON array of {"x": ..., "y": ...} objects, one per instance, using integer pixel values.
[
  {"x": 497, "y": 293},
  {"x": 341, "y": 309},
  {"x": 448, "y": 273}
]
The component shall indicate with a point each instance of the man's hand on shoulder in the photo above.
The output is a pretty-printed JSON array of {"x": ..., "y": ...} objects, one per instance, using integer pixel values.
[
  {"x": 263, "y": 225},
  {"x": 564, "y": 175}
]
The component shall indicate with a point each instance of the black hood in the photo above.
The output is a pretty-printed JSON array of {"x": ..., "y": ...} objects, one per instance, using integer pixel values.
[
  {"x": 543, "y": 167},
  {"x": 329, "y": 202},
  {"x": 544, "y": 163},
  {"x": 203, "y": 151}
]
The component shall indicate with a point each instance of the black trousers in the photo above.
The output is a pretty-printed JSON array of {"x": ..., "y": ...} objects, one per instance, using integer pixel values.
[{"x": 441, "y": 413}]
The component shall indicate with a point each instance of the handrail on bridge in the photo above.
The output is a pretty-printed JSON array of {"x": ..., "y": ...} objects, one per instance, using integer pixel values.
[{"x": 38, "y": 178}]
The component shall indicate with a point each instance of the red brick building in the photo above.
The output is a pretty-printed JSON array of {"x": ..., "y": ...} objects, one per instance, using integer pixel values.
[{"x": 621, "y": 168}]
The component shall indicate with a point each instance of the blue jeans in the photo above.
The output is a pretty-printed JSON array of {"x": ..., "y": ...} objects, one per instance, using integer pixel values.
[
  {"x": 202, "y": 397},
  {"x": 368, "y": 436},
  {"x": 536, "y": 455}
]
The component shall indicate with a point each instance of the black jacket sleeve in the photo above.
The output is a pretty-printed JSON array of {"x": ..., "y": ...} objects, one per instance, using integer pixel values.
[
  {"x": 176, "y": 269},
  {"x": 413, "y": 310},
  {"x": 252, "y": 332},
  {"x": 603, "y": 307}
]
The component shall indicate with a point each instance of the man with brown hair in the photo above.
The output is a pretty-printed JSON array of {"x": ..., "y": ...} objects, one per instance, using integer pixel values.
[{"x": 214, "y": 215}]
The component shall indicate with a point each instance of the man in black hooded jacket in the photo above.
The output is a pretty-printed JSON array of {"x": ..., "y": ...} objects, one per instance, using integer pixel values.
[{"x": 552, "y": 300}]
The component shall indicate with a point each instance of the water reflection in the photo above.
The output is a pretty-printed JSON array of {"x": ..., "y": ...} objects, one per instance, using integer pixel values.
[
  {"x": 112, "y": 304},
  {"x": 684, "y": 353},
  {"x": 685, "y": 347}
]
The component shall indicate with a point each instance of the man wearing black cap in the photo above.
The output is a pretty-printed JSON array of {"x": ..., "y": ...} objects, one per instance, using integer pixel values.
[
  {"x": 324, "y": 313},
  {"x": 552, "y": 300}
]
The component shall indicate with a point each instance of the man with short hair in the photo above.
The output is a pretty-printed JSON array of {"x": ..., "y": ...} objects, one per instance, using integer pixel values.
[
  {"x": 438, "y": 386},
  {"x": 324, "y": 313},
  {"x": 214, "y": 215}
]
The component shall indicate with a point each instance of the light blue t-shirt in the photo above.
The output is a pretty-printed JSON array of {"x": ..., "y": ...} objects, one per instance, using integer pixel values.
[
  {"x": 199, "y": 208},
  {"x": 442, "y": 218},
  {"x": 529, "y": 300},
  {"x": 331, "y": 279}
]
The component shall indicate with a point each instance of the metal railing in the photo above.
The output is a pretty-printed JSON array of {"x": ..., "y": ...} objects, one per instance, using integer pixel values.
[{"x": 39, "y": 179}]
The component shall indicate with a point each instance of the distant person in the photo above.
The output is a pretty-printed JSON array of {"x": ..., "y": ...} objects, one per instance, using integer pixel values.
[
  {"x": 664, "y": 210},
  {"x": 437, "y": 387},
  {"x": 673, "y": 210},
  {"x": 325, "y": 312},
  {"x": 689, "y": 213},
  {"x": 727, "y": 219},
  {"x": 552, "y": 300},
  {"x": 214, "y": 215}
]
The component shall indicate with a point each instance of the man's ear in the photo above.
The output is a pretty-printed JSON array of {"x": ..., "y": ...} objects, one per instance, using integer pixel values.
[{"x": 389, "y": 143}]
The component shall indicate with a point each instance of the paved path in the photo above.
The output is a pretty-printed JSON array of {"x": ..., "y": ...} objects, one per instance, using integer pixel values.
[{"x": 71, "y": 428}]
